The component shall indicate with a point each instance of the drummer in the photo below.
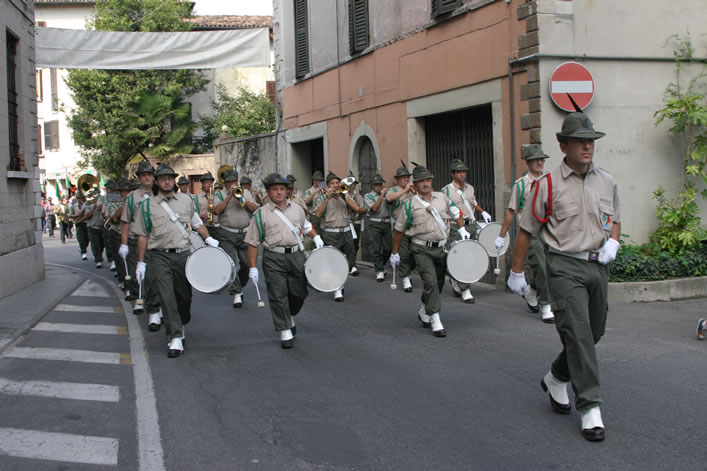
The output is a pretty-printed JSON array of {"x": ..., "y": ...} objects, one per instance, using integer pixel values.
[
  {"x": 395, "y": 197},
  {"x": 423, "y": 221},
  {"x": 167, "y": 244},
  {"x": 234, "y": 216},
  {"x": 276, "y": 227},
  {"x": 380, "y": 237},
  {"x": 538, "y": 297},
  {"x": 355, "y": 217},
  {"x": 333, "y": 211},
  {"x": 462, "y": 195}
]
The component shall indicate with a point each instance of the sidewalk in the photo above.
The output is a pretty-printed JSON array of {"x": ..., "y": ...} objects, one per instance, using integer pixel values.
[{"x": 20, "y": 311}]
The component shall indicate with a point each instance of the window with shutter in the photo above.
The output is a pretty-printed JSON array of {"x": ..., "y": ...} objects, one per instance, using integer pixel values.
[
  {"x": 51, "y": 135},
  {"x": 358, "y": 25},
  {"x": 440, "y": 7},
  {"x": 55, "y": 89},
  {"x": 301, "y": 39}
]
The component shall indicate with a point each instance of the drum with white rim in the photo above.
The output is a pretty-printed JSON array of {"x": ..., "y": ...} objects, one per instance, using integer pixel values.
[
  {"x": 326, "y": 269},
  {"x": 195, "y": 241},
  {"x": 467, "y": 261},
  {"x": 210, "y": 269},
  {"x": 487, "y": 237}
]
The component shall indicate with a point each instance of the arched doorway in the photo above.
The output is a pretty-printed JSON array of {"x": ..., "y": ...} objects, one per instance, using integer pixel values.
[{"x": 367, "y": 168}]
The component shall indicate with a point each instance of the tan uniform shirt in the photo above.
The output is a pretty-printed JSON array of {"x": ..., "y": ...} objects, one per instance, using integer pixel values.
[
  {"x": 451, "y": 191},
  {"x": 521, "y": 197},
  {"x": 370, "y": 199},
  {"x": 112, "y": 209},
  {"x": 417, "y": 222},
  {"x": 96, "y": 219},
  {"x": 153, "y": 221},
  {"x": 297, "y": 199},
  {"x": 583, "y": 209},
  {"x": 397, "y": 205},
  {"x": 75, "y": 208},
  {"x": 269, "y": 230},
  {"x": 132, "y": 204},
  {"x": 336, "y": 214},
  {"x": 353, "y": 215},
  {"x": 234, "y": 216},
  {"x": 315, "y": 201}
]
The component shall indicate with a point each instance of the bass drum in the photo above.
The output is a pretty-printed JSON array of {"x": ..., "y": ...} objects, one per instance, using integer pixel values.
[
  {"x": 326, "y": 269},
  {"x": 467, "y": 261},
  {"x": 487, "y": 237},
  {"x": 195, "y": 241},
  {"x": 210, "y": 269}
]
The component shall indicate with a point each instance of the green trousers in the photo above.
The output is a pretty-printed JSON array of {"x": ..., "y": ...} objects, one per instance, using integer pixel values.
[
  {"x": 173, "y": 288},
  {"x": 580, "y": 303},
  {"x": 95, "y": 235},
  {"x": 380, "y": 240},
  {"x": 535, "y": 269},
  {"x": 150, "y": 287},
  {"x": 342, "y": 241},
  {"x": 432, "y": 267},
  {"x": 82, "y": 236},
  {"x": 286, "y": 285},
  {"x": 113, "y": 244},
  {"x": 316, "y": 223},
  {"x": 407, "y": 259},
  {"x": 106, "y": 237},
  {"x": 132, "y": 264},
  {"x": 236, "y": 248}
]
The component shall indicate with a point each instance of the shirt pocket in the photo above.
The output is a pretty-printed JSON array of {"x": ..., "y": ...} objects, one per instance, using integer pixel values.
[
  {"x": 567, "y": 217},
  {"x": 160, "y": 226},
  {"x": 606, "y": 216}
]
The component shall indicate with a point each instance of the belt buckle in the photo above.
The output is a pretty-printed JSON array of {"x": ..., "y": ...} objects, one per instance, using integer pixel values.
[{"x": 593, "y": 255}]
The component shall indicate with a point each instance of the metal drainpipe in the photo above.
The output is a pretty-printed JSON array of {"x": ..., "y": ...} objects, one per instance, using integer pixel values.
[{"x": 513, "y": 141}]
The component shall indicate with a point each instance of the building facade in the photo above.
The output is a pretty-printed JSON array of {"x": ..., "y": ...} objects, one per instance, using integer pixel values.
[
  {"x": 21, "y": 251},
  {"x": 366, "y": 84}
]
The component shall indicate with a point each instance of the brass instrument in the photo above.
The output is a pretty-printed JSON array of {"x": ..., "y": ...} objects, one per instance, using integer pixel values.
[
  {"x": 344, "y": 185},
  {"x": 87, "y": 182},
  {"x": 210, "y": 209},
  {"x": 237, "y": 192},
  {"x": 221, "y": 172}
]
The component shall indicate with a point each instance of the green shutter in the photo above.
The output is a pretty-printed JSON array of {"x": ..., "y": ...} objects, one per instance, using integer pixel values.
[
  {"x": 440, "y": 7},
  {"x": 301, "y": 39},
  {"x": 358, "y": 25}
]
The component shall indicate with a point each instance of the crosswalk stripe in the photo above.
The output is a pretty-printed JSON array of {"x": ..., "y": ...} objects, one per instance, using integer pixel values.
[
  {"x": 91, "y": 288},
  {"x": 61, "y": 390},
  {"x": 58, "y": 446},
  {"x": 64, "y": 354},
  {"x": 80, "y": 328},
  {"x": 74, "y": 308}
]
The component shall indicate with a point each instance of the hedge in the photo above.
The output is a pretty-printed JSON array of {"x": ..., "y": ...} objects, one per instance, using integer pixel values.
[{"x": 648, "y": 263}]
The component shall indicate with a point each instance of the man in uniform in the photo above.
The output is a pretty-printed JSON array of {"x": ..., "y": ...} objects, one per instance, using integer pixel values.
[
  {"x": 62, "y": 210},
  {"x": 77, "y": 215},
  {"x": 234, "y": 217},
  {"x": 462, "y": 195},
  {"x": 94, "y": 220},
  {"x": 423, "y": 220},
  {"x": 395, "y": 197},
  {"x": 312, "y": 198},
  {"x": 202, "y": 199},
  {"x": 380, "y": 238},
  {"x": 333, "y": 211},
  {"x": 183, "y": 184},
  {"x": 534, "y": 268},
  {"x": 292, "y": 194},
  {"x": 277, "y": 227},
  {"x": 575, "y": 208},
  {"x": 114, "y": 212},
  {"x": 355, "y": 217},
  {"x": 51, "y": 217},
  {"x": 161, "y": 229},
  {"x": 112, "y": 196}
]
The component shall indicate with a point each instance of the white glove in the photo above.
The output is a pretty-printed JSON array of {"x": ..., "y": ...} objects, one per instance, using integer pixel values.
[
  {"x": 211, "y": 241},
  {"x": 500, "y": 243},
  {"x": 394, "y": 260},
  {"x": 486, "y": 216},
  {"x": 607, "y": 254},
  {"x": 140, "y": 271},
  {"x": 318, "y": 242},
  {"x": 516, "y": 282},
  {"x": 253, "y": 275},
  {"x": 123, "y": 250},
  {"x": 463, "y": 233}
]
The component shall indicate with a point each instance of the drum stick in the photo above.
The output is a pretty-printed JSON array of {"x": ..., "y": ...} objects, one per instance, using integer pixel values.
[
  {"x": 260, "y": 302},
  {"x": 393, "y": 285},
  {"x": 497, "y": 271},
  {"x": 127, "y": 272},
  {"x": 138, "y": 301}
]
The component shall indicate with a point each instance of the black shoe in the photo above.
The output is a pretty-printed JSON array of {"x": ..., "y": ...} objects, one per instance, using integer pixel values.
[
  {"x": 439, "y": 333},
  {"x": 138, "y": 310},
  {"x": 130, "y": 297},
  {"x": 174, "y": 353},
  {"x": 426, "y": 325},
  {"x": 408, "y": 290},
  {"x": 535, "y": 308},
  {"x": 287, "y": 343},
  {"x": 293, "y": 330},
  {"x": 339, "y": 300},
  {"x": 556, "y": 406},
  {"x": 155, "y": 327},
  {"x": 595, "y": 434}
]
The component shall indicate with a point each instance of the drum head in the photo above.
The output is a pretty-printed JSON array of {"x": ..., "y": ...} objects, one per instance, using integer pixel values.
[
  {"x": 195, "y": 241},
  {"x": 326, "y": 269},
  {"x": 467, "y": 261},
  {"x": 210, "y": 269},
  {"x": 487, "y": 238}
]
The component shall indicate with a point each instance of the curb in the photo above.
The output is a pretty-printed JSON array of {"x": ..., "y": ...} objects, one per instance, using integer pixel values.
[{"x": 650, "y": 291}]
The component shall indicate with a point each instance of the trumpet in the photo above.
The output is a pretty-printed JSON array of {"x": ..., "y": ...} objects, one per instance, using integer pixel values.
[
  {"x": 237, "y": 192},
  {"x": 345, "y": 185}
]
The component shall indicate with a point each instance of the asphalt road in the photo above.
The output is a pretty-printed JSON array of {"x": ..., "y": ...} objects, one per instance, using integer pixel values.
[{"x": 367, "y": 388}]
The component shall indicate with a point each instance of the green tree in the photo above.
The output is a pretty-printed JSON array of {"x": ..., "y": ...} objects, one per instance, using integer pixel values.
[
  {"x": 105, "y": 98},
  {"x": 246, "y": 114}
]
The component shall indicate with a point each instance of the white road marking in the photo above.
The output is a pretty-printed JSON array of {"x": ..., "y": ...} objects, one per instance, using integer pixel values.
[
  {"x": 58, "y": 446},
  {"x": 73, "y": 308},
  {"x": 79, "y": 328},
  {"x": 91, "y": 288},
  {"x": 572, "y": 86},
  {"x": 61, "y": 390},
  {"x": 64, "y": 354}
]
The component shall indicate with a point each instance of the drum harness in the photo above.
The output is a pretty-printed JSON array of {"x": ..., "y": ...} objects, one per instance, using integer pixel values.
[
  {"x": 466, "y": 204},
  {"x": 435, "y": 214},
  {"x": 175, "y": 219},
  {"x": 292, "y": 227}
]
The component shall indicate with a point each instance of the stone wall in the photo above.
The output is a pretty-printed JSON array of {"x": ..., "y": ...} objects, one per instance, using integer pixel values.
[{"x": 253, "y": 156}]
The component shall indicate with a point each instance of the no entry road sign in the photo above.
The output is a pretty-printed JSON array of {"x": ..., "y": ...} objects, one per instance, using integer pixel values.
[{"x": 574, "y": 79}]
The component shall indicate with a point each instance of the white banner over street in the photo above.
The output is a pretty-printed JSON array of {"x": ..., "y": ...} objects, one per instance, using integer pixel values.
[{"x": 81, "y": 49}]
